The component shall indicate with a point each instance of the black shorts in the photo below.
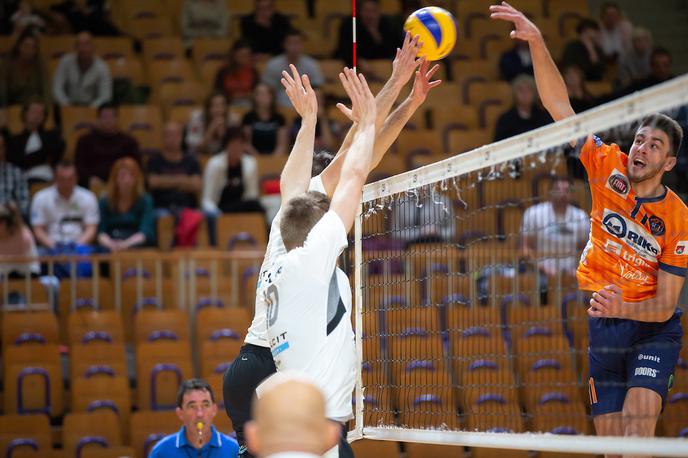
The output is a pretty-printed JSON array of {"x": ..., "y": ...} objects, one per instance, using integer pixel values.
[{"x": 253, "y": 365}]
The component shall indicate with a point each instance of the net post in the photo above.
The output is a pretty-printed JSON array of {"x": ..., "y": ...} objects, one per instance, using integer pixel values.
[{"x": 358, "y": 300}]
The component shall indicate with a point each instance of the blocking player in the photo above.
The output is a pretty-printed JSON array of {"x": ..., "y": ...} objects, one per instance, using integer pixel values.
[
  {"x": 309, "y": 298},
  {"x": 255, "y": 361},
  {"x": 635, "y": 261}
]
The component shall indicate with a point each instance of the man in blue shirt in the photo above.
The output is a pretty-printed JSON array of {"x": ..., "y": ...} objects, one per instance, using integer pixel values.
[{"x": 197, "y": 438}]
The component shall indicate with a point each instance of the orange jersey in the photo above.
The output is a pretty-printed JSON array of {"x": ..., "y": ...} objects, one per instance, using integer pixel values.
[{"x": 631, "y": 238}]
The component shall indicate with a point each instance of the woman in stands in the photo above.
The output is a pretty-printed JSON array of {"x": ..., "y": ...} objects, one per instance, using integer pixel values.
[
  {"x": 207, "y": 128},
  {"x": 264, "y": 128},
  {"x": 126, "y": 212},
  {"x": 239, "y": 76},
  {"x": 23, "y": 74},
  {"x": 16, "y": 240}
]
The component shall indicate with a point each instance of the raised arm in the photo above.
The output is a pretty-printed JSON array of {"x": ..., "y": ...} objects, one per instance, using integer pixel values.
[
  {"x": 549, "y": 81},
  {"x": 297, "y": 171},
  {"x": 358, "y": 159}
]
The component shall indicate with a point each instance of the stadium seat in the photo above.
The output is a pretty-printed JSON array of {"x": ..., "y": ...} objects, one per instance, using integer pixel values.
[
  {"x": 142, "y": 28},
  {"x": 33, "y": 380},
  {"x": 147, "y": 428},
  {"x": 216, "y": 354},
  {"x": 429, "y": 409},
  {"x": 495, "y": 418},
  {"x": 98, "y": 359},
  {"x": 210, "y": 49},
  {"x": 410, "y": 141},
  {"x": 98, "y": 429},
  {"x": 476, "y": 395},
  {"x": 674, "y": 421},
  {"x": 29, "y": 328},
  {"x": 170, "y": 71},
  {"x": 534, "y": 395},
  {"x": 444, "y": 95},
  {"x": 104, "y": 393},
  {"x": 241, "y": 229},
  {"x": 151, "y": 325},
  {"x": 270, "y": 166},
  {"x": 414, "y": 450},
  {"x": 367, "y": 448},
  {"x": 130, "y": 69},
  {"x": 555, "y": 8},
  {"x": 466, "y": 140},
  {"x": 212, "y": 321},
  {"x": 24, "y": 433},
  {"x": 482, "y": 452},
  {"x": 110, "y": 452},
  {"x": 188, "y": 93},
  {"x": 161, "y": 367},
  {"x": 85, "y": 294},
  {"x": 561, "y": 418},
  {"x": 136, "y": 118},
  {"x": 75, "y": 122},
  {"x": 86, "y": 326},
  {"x": 162, "y": 49},
  {"x": 398, "y": 320},
  {"x": 491, "y": 92},
  {"x": 14, "y": 120},
  {"x": 415, "y": 343},
  {"x": 113, "y": 48},
  {"x": 207, "y": 72},
  {"x": 54, "y": 47}
]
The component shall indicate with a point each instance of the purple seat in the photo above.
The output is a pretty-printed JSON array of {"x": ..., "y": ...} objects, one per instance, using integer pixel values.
[
  {"x": 18, "y": 443},
  {"x": 102, "y": 336},
  {"x": 157, "y": 369},
  {"x": 20, "y": 390},
  {"x": 99, "y": 369},
  {"x": 102, "y": 404},
  {"x": 88, "y": 440},
  {"x": 30, "y": 337}
]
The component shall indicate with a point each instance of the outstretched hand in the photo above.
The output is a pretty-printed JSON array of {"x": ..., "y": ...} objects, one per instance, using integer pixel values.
[
  {"x": 405, "y": 61},
  {"x": 300, "y": 93},
  {"x": 524, "y": 28},
  {"x": 363, "y": 108},
  {"x": 422, "y": 84}
]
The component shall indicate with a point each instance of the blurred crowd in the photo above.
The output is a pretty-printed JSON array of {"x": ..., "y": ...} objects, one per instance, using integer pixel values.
[{"x": 107, "y": 193}]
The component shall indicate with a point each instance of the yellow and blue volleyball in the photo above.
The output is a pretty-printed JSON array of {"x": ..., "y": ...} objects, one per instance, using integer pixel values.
[{"x": 437, "y": 30}]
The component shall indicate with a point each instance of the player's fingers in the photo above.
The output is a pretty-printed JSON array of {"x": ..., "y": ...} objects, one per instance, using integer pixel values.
[
  {"x": 601, "y": 297},
  {"x": 432, "y": 71},
  {"x": 407, "y": 39},
  {"x": 613, "y": 288},
  {"x": 306, "y": 83},
  {"x": 414, "y": 41},
  {"x": 505, "y": 15},
  {"x": 346, "y": 111},
  {"x": 295, "y": 73},
  {"x": 598, "y": 304},
  {"x": 397, "y": 55},
  {"x": 434, "y": 83},
  {"x": 287, "y": 77},
  {"x": 595, "y": 313},
  {"x": 364, "y": 85}
]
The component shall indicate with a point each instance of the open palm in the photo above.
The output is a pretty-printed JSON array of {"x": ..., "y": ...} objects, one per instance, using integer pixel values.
[{"x": 524, "y": 28}]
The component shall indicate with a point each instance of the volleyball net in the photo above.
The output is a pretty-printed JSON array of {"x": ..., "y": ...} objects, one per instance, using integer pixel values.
[{"x": 469, "y": 325}]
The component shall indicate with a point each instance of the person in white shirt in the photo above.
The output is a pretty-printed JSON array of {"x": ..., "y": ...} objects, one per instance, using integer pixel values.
[
  {"x": 64, "y": 213},
  {"x": 255, "y": 361},
  {"x": 82, "y": 78},
  {"x": 289, "y": 419},
  {"x": 230, "y": 179},
  {"x": 555, "y": 232},
  {"x": 293, "y": 55},
  {"x": 616, "y": 30}
]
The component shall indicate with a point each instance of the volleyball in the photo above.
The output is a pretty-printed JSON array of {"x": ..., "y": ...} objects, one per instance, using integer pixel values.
[{"x": 437, "y": 30}]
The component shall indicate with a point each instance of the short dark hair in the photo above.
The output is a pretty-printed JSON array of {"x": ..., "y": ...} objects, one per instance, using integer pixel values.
[
  {"x": 667, "y": 125},
  {"x": 10, "y": 214},
  {"x": 233, "y": 133},
  {"x": 293, "y": 32},
  {"x": 606, "y": 5},
  {"x": 557, "y": 178},
  {"x": 64, "y": 164},
  {"x": 300, "y": 215},
  {"x": 194, "y": 384},
  {"x": 585, "y": 24},
  {"x": 34, "y": 100},
  {"x": 321, "y": 159},
  {"x": 660, "y": 51},
  {"x": 107, "y": 106}
]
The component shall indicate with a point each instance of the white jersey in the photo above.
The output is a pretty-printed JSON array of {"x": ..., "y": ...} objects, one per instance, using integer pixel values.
[
  {"x": 257, "y": 332},
  {"x": 309, "y": 315}
]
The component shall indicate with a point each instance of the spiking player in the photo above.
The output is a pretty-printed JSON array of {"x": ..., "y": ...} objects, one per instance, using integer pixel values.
[
  {"x": 635, "y": 261},
  {"x": 255, "y": 360}
]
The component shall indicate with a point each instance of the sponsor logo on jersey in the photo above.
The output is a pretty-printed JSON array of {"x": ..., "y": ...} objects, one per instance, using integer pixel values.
[
  {"x": 633, "y": 274},
  {"x": 646, "y": 371},
  {"x": 657, "y": 225},
  {"x": 613, "y": 247},
  {"x": 618, "y": 183},
  {"x": 654, "y": 358},
  {"x": 682, "y": 248},
  {"x": 634, "y": 235}
]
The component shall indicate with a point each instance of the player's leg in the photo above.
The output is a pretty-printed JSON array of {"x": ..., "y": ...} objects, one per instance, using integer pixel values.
[
  {"x": 253, "y": 365},
  {"x": 640, "y": 413}
]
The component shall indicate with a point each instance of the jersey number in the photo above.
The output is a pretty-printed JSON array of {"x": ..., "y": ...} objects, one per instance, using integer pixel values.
[{"x": 272, "y": 298}]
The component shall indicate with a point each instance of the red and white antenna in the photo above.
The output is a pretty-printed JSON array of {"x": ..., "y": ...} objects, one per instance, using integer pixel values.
[{"x": 353, "y": 25}]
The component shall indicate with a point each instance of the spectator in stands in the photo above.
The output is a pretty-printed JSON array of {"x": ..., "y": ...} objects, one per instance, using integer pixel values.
[
  {"x": 126, "y": 211},
  {"x": 265, "y": 29},
  {"x": 634, "y": 65},
  {"x": 615, "y": 33},
  {"x": 25, "y": 18},
  {"x": 207, "y": 128},
  {"x": 196, "y": 405},
  {"x": 293, "y": 54},
  {"x": 82, "y": 78},
  {"x": 424, "y": 217},
  {"x": 581, "y": 98},
  {"x": 516, "y": 61},
  {"x": 78, "y": 16},
  {"x": 13, "y": 184},
  {"x": 204, "y": 18},
  {"x": 174, "y": 178},
  {"x": 525, "y": 114},
  {"x": 230, "y": 179},
  {"x": 289, "y": 419},
  {"x": 555, "y": 232},
  {"x": 264, "y": 128},
  {"x": 376, "y": 35},
  {"x": 98, "y": 150},
  {"x": 585, "y": 51},
  {"x": 16, "y": 239},
  {"x": 35, "y": 150},
  {"x": 23, "y": 74},
  {"x": 64, "y": 216},
  {"x": 239, "y": 76},
  {"x": 660, "y": 71}
]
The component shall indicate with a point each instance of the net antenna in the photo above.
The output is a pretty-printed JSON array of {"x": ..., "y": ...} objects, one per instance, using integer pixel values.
[
  {"x": 353, "y": 32},
  {"x": 403, "y": 284}
]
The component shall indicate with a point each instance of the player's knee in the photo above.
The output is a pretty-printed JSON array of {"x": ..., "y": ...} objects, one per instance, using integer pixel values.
[{"x": 640, "y": 412}]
